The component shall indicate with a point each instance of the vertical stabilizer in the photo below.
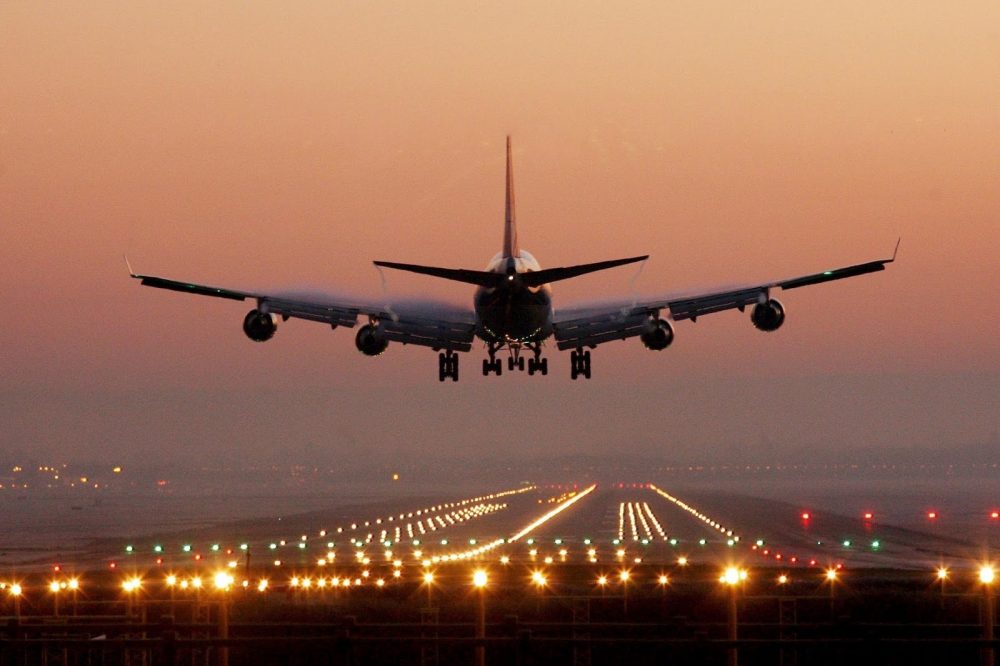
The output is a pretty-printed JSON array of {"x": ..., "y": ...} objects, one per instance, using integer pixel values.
[{"x": 510, "y": 247}]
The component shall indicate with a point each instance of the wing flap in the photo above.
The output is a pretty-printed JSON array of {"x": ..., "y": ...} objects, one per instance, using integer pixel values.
[
  {"x": 327, "y": 314},
  {"x": 429, "y": 333},
  {"x": 592, "y": 331},
  {"x": 693, "y": 308}
]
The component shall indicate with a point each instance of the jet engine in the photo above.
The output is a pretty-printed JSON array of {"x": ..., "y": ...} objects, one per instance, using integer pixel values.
[
  {"x": 768, "y": 316},
  {"x": 260, "y": 326},
  {"x": 370, "y": 340},
  {"x": 659, "y": 336}
]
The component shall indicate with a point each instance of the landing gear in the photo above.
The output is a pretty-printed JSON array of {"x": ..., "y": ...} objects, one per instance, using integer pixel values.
[
  {"x": 493, "y": 364},
  {"x": 579, "y": 363},
  {"x": 448, "y": 366},
  {"x": 538, "y": 365},
  {"x": 515, "y": 363}
]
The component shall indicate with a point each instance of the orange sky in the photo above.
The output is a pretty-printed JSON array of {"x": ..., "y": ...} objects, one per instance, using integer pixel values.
[{"x": 268, "y": 146}]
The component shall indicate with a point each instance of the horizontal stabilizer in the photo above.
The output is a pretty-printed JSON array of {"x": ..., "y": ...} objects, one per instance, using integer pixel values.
[
  {"x": 481, "y": 278},
  {"x": 544, "y": 276},
  {"x": 491, "y": 279}
]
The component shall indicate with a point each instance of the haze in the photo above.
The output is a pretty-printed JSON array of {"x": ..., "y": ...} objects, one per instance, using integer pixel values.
[{"x": 262, "y": 145}]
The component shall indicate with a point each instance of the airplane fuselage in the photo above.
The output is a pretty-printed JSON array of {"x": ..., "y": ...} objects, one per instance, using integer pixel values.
[{"x": 513, "y": 313}]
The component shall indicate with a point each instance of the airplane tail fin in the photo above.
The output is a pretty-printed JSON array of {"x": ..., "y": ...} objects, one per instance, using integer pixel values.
[{"x": 510, "y": 246}]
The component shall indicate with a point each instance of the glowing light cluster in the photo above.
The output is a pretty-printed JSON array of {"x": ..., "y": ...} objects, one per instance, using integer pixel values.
[
  {"x": 695, "y": 512},
  {"x": 551, "y": 514}
]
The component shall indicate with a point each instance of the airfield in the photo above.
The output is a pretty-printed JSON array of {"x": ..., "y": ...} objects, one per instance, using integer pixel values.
[{"x": 571, "y": 573}]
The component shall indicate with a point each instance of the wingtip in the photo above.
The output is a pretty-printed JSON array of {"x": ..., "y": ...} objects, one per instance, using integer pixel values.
[
  {"x": 895, "y": 250},
  {"x": 128, "y": 265}
]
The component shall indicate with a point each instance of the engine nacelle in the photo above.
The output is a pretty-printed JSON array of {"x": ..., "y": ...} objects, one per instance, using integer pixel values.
[
  {"x": 370, "y": 340},
  {"x": 768, "y": 316},
  {"x": 659, "y": 336},
  {"x": 260, "y": 326}
]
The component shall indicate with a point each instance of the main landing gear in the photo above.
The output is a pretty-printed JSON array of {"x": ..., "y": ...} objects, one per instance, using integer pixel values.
[
  {"x": 448, "y": 366},
  {"x": 537, "y": 363},
  {"x": 493, "y": 363},
  {"x": 579, "y": 363}
]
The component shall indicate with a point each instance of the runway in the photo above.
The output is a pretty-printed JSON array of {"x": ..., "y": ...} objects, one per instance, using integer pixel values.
[{"x": 595, "y": 523}]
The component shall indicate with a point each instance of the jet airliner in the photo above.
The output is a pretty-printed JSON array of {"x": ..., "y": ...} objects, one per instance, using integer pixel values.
[{"x": 512, "y": 309}]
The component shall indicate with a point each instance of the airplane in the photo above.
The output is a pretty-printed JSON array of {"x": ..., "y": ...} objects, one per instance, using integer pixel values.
[{"x": 512, "y": 309}]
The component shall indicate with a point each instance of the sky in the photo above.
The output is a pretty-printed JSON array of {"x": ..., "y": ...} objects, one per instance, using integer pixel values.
[{"x": 273, "y": 146}]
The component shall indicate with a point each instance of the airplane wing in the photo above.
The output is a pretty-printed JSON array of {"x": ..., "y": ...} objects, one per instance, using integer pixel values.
[
  {"x": 591, "y": 326},
  {"x": 413, "y": 322}
]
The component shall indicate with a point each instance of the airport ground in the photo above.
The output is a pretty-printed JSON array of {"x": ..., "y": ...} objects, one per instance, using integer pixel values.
[{"x": 591, "y": 573}]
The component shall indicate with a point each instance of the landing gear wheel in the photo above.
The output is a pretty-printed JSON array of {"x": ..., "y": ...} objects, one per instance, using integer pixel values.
[
  {"x": 579, "y": 363},
  {"x": 520, "y": 363},
  {"x": 498, "y": 367},
  {"x": 448, "y": 366},
  {"x": 510, "y": 363},
  {"x": 532, "y": 366},
  {"x": 543, "y": 366},
  {"x": 487, "y": 368}
]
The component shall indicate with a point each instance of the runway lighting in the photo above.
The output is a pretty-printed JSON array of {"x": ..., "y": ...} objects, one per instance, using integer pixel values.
[
  {"x": 806, "y": 515},
  {"x": 682, "y": 561},
  {"x": 932, "y": 515},
  {"x": 262, "y": 585},
  {"x": 663, "y": 580},
  {"x": 995, "y": 515},
  {"x": 869, "y": 515},
  {"x": 479, "y": 578},
  {"x": 171, "y": 580},
  {"x": 831, "y": 574},
  {"x": 223, "y": 581},
  {"x": 428, "y": 577},
  {"x": 15, "y": 590},
  {"x": 538, "y": 578},
  {"x": 73, "y": 584},
  {"x": 942, "y": 573},
  {"x": 987, "y": 574},
  {"x": 54, "y": 586},
  {"x": 782, "y": 579},
  {"x": 602, "y": 580},
  {"x": 196, "y": 583},
  {"x": 504, "y": 559},
  {"x": 624, "y": 575}
]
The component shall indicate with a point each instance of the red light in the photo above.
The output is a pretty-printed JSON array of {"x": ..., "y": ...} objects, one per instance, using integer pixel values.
[
  {"x": 767, "y": 552},
  {"x": 812, "y": 563},
  {"x": 777, "y": 556},
  {"x": 198, "y": 556},
  {"x": 931, "y": 515},
  {"x": 869, "y": 515},
  {"x": 56, "y": 567},
  {"x": 840, "y": 566},
  {"x": 793, "y": 560},
  {"x": 994, "y": 515},
  {"x": 806, "y": 515},
  {"x": 159, "y": 560},
  {"x": 113, "y": 565}
]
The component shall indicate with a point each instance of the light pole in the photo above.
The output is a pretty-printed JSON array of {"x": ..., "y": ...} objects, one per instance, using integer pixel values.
[
  {"x": 223, "y": 582},
  {"x": 987, "y": 575},
  {"x": 54, "y": 589},
  {"x": 16, "y": 591},
  {"x": 479, "y": 581},
  {"x": 732, "y": 577},
  {"x": 831, "y": 578},
  {"x": 540, "y": 581},
  {"x": 624, "y": 575}
]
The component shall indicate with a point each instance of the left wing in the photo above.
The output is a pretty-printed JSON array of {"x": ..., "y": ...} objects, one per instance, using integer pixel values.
[
  {"x": 596, "y": 325},
  {"x": 425, "y": 323}
]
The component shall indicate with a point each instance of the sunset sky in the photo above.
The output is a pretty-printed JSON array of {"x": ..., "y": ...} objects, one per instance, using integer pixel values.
[{"x": 266, "y": 145}]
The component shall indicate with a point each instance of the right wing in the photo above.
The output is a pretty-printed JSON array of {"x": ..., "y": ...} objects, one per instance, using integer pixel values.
[
  {"x": 589, "y": 327},
  {"x": 424, "y": 323}
]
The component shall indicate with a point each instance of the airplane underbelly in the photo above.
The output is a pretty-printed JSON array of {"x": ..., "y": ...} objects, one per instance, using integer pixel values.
[{"x": 507, "y": 315}]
